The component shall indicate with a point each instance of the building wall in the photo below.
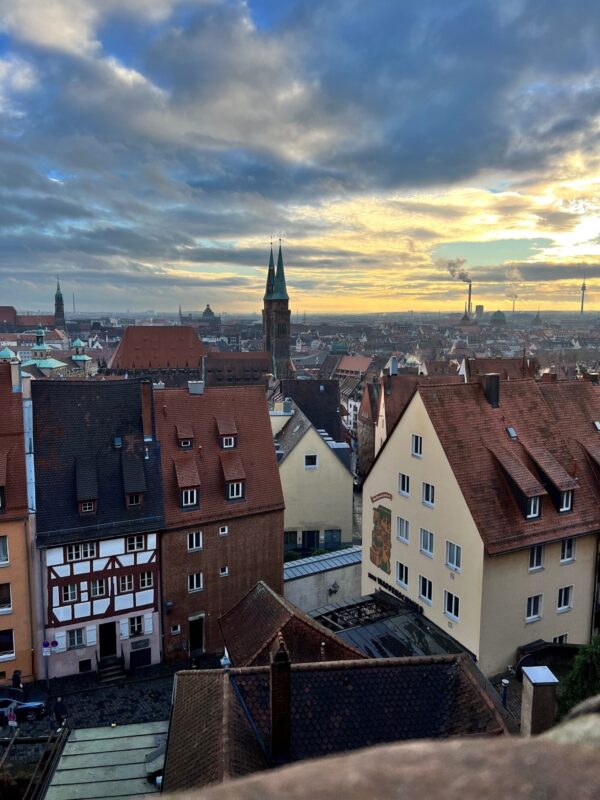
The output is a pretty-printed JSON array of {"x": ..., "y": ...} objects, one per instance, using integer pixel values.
[
  {"x": 507, "y": 585},
  {"x": 316, "y": 498},
  {"x": 252, "y": 550},
  {"x": 312, "y": 591},
  {"x": 450, "y": 519},
  {"x": 380, "y": 426},
  {"x": 18, "y": 618}
]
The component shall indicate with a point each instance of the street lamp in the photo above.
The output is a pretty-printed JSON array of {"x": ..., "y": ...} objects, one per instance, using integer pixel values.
[{"x": 48, "y": 649}]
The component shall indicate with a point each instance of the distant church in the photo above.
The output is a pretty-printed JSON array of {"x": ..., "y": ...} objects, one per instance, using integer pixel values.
[{"x": 276, "y": 319}]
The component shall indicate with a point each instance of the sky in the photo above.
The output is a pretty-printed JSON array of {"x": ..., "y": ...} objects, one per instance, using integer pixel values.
[{"x": 151, "y": 149}]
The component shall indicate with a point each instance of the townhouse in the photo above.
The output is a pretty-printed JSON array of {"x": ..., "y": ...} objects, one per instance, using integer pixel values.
[
  {"x": 97, "y": 485},
  {"x": 483, "y": 509},
  {"x": 223, "y": 509}
]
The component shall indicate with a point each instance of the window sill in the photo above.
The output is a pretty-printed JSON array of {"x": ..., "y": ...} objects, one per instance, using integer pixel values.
[
  {"x": 6, "y": 610},
  {"x": 564, "y": 610},
  {"x": 194, "y": 549},
  {"x": 404, "y": 494},
  {"x": 4, "y": 564},
  {"x": 8, "y": 657},
  {"x": 529, "y": 620},
  {"x": 402, "y": 585},
  {"x": 400, "y": 539},
  {"x": 194, "y": 591},
  {"x": 451, "y": 617},
  {"x": 535, "y": 569},
  {"x": 76, "y": 647},
  {"x": 427, "y": 505},
  {"x": 452, "y": 568},
  {"x": 562, "y": 562},
  {"x": 426, "y": 553},
  {"x": 425, "y": 600},
  {"x": 416, "y": 455}
]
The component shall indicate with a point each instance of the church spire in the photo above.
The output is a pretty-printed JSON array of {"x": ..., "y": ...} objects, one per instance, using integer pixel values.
[
  {"x": 59, "y": 308},
  {"x": 280, "y": 290},
  {"x": 270, "y": 277}
]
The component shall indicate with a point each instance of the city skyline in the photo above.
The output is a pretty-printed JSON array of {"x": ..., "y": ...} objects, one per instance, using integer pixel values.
[{"x": 151, "y": 150}]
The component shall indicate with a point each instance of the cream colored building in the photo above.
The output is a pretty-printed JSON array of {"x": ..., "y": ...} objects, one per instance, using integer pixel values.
[
  {"x": 317, "y": 483},
  {"x": 463, "y": 541}
]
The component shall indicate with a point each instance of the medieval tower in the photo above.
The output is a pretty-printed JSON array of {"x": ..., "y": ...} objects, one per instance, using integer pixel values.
[
  {"x": 59, "y": 308},
  {"x": 276, "y": 318}
]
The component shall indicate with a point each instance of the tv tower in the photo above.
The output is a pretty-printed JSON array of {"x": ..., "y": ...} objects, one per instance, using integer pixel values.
[{"x": 583, "y": 288}]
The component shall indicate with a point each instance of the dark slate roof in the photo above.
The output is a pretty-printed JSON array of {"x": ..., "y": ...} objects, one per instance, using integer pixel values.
[
  {"x": 291, "y": 433},
  {"x": 88, "y": 440},
  {"x": 335, "y": 707},
  {"x": 252, "y": 625},
  {"x": 319, "y": 400}
]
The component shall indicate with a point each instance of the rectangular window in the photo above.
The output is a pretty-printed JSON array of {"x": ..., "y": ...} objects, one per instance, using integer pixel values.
[
  {"x": 567, "y": 551},
  {"x": 403, "y": 484},
  {"x": 3, "y": 550},
  {"x": 534, "y": 608},
  {"x": 428, "y": 496},
  {"x": 69, "y": 593},
  {"x": 402, "y": 529},
  {"x": 402, "y": 574},
  {"x": 417, "y": 445},
  {"x": 98, "y": 588},
  {"x": 87, "y": 507},
  {"x": 565, "y": 598},
  {"x": 136, "y": 543},
  {"x": 194, "y": 540},
  {"x": 125, "y": 583},
  {"x": 333, "y": 539},
  {"x": 195, "y": 582},
  {"x": 566, "y": 501},
  {"x": 185, "y": 444},
  {"x": 75, "y": 638},
  {"x": 311, "y": 461},
  {"x": 134, "y": 500},
  {"x": 146, "y": 580},
  {"x": 79, "y": 552},
  {"x": 136, "y": 626},
  {"x": 189, "y": 497},
  {"x": 536, "y": 557},
  {"x": 453, "y": 555},
  {"x": 224, "y": 572},
  {"x": 175, "y": 630},
  {"x": 426, "y": 545},
  {"x": 235, "y": 490},
  {"x": 562, "y": 639},
  {"x": 7, "y": 643},
  {"x": 425, "y": 589},
  {"x": 2, "y": 499},
  {"x": 228, "y": 442},
  {"x": 451, "y": 605},
  {"x": 5, "y": 597},
  {"x": 533, "y": 507},
  {"x": 223, "y": 530}
]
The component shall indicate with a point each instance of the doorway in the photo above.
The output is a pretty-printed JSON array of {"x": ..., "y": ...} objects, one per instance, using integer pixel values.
[
  {"x": 108, "y": 639},
  {"x": 196, "y": 628}
]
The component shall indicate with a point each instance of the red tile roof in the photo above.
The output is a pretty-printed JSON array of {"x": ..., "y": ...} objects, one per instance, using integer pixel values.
[
  {"x": 254, "y": 453},
  {"x": 509, "y": 369},
  {"x": 158, "y": 347},
  {"x": 555, "y": 419},
  {"x": 8, "y": 314},
  {"x": 12, "y": 448},
  {"x": 186, "y": 470},
  {"x": 527, "y": 483},
  {"x": 396, "y": 391}
]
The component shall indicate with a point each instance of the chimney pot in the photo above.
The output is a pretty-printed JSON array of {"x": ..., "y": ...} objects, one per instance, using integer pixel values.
[{"x": 538, "y": 704}]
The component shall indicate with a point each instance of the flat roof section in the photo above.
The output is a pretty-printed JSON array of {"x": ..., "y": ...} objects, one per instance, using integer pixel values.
[{"x": 322, "y": 563}]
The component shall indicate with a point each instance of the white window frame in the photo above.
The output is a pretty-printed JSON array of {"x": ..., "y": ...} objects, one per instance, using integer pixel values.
[
  {"x": 425, "y": 583},
  {"x": 416, "y": 448},
  {"x": 185, "y": 444},
  {"x": 311, "y": 456},
  {"x": 428, "y": 494},
  {"x": 5, "y": 561},
  {"x": 135, "y": 543},
  {"x": 9, "y": 654},
  {"x": 223, "y": 530},
  {"x": 228, "y": 442},
  {"x": 97, "y": 584},
  {"x": 533, "y": 507},
  {"x": 189, "y": 498},
  {"x": 535, "y": 551},
  {"x": 131, "y": 503},
  {"x": 453, "y": 556},
  {"x": 451, "y": 605},
  {"x": 404, "y": 484},
  {"x": 127, "y": 581},
  {"x": 533, "y": 617},
  {"x": 402, "y": 530},
  {"x": 194, "y": 541},
  {"x": 235, "y": 490},
  {"x": 175, "y": 629},
  {"x": 136, "y": 626},
  {"x": 195, "y": 582},
  {"x": 69, "y": 596},
  {"x": 566, "y": 501},
  {"x": 81, "y": 551},
  {"x": 147, "y": 579},
  {"x": 562, "y": 638},
  {"x": 424, "y": 539},
  {"x": 87, "y": 506},
  {"x": 564, "y": 545},
  {"x": 402, "y": 574},
  {"x": 223, "y": 572},
  {"x": 560, "y": 609},
  {"x": 79, "y": 634}
]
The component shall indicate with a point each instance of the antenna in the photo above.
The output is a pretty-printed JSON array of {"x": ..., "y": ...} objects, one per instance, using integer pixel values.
[{"x": 583, "y": 290}]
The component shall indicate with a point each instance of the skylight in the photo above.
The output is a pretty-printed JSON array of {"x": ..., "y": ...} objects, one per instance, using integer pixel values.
[
  {"x": 512, "y": 432},
  {"x": 597, "y": 424}
]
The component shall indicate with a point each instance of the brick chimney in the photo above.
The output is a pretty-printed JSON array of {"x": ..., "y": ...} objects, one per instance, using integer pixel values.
[
  {"x": 538, "y": 702},
  {"x": 281, "y": 702},
  {"x": 549, "y": 377}
]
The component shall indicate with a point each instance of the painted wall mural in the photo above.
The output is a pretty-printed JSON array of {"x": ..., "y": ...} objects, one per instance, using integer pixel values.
[{"x": 381, "y": 539}]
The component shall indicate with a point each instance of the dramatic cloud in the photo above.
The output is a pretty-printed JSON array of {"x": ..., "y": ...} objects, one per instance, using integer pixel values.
[{"x": 149, "y": 150}]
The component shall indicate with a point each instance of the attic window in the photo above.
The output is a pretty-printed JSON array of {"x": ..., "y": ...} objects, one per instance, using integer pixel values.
[
  {"x": 235, "y": 490},
  {"x": 512, "y": 433},
  {"x": 87, "y": 507},
  {"x": 566, "y": 501},
  {"x": 533, "y": 507},
  {"x": 185, "y": 444},
  {"x": 228, "y": 442},
  {"x": 189, "y": 498},
  {"x": 134, "y": 499},
  {"x": 118, "y": 442}
]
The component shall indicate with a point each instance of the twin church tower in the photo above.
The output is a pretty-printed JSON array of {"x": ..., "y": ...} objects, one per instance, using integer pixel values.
[{"x": 276, "y": 318}]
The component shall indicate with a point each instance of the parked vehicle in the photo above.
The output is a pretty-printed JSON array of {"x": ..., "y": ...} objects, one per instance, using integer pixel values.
[{"x": 34, "y": 709}]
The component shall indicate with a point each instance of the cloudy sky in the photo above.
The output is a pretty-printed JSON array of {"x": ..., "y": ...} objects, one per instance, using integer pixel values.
[{"x": 150, "y": 149}]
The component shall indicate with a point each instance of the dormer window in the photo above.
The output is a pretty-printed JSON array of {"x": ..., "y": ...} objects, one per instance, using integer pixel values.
[
  {"x": 189, "y": 498},
  {"x": 185, "y": 437},
  {"x": 87, "y": 507},
  {"x": 134, "y": 500},
  {"x": 185, "y": 444},
  {"x": 566, "y": 501},
  {"x": 235, "y": 490},
  {"x": 533, "y": 507},
  {"x": 228, "y": 442}
]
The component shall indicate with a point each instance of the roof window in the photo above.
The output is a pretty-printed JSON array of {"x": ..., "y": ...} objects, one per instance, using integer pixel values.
[
  {"x": 597, "y": 424},
  {"x": 512, "y": 433}
]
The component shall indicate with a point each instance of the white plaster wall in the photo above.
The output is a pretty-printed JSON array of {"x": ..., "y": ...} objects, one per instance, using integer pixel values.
[{"x": 312, "y": 591}]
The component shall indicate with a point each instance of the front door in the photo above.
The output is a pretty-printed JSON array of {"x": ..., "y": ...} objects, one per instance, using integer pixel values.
[
  {"x": 108, "y": 639},
  {"x": 310, "y": 540},
  {"x": 196, "y": 635}
]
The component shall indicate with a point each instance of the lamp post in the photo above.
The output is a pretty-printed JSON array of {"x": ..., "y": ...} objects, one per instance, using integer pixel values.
[{"x": 48, "y": 649}]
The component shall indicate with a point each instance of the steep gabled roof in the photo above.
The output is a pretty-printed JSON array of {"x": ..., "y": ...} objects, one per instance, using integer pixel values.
[{"x": 158, "y": 347}]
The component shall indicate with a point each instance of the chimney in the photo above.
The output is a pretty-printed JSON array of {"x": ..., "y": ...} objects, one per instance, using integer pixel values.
[
  {"x": 549, "y": 377},
  {"x": 469, "y": 303},
  {"x": 281, "y": 702},
  {"x": 393, "y": 365},
  {"x": 593, "y": 377},
  {"x": 538, "y": 702},
  {"x": 146, "y": 396},
  {"x": 196, "y": 387},
  {"x": 491, "y": 387},
  {"x": 387, "y": 384},
  {"x": 15, "y": 376}
]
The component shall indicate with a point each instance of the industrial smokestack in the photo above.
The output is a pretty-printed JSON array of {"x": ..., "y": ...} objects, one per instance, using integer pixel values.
[
  {"x": 469, "y": 307},
  {"x": 583, "y": 288}
]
